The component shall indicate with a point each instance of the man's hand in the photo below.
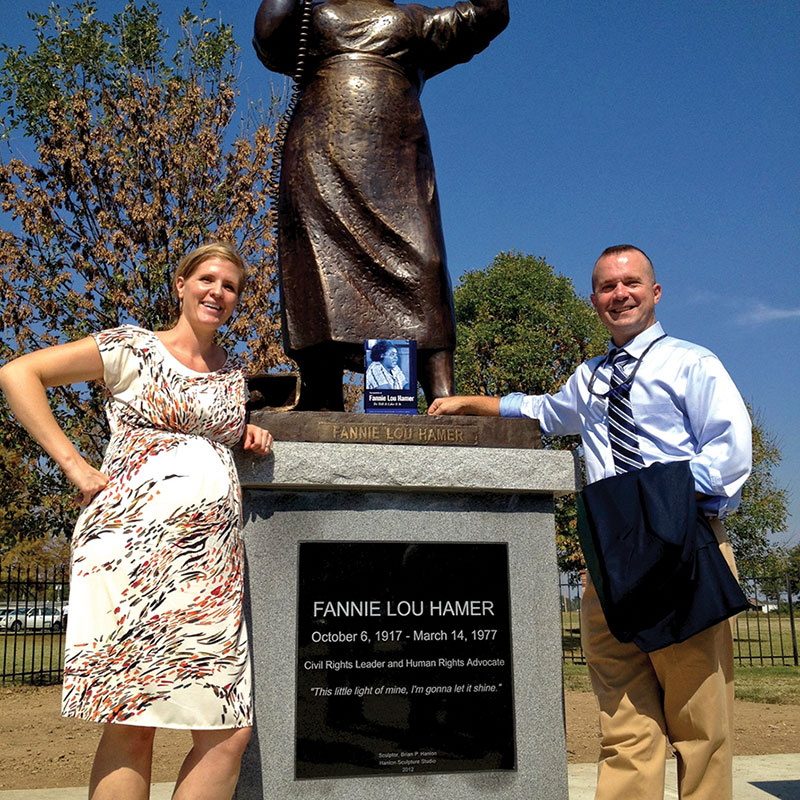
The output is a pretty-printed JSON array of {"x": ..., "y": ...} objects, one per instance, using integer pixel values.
[{"x": 476, "y": 405}]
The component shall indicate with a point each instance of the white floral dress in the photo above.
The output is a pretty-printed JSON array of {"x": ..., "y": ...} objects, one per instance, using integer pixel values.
[{"x": 156, "y": 634}]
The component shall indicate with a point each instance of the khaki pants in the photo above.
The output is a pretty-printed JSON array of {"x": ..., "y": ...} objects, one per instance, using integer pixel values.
[{"x": 682, "y": 694}]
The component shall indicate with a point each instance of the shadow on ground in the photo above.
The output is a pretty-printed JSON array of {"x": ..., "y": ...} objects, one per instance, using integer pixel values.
[{"x": 782, "y": 790}]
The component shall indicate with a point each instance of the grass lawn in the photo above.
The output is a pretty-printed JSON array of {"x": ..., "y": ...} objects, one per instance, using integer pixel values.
[
  {"x": 764, "y": 638},
  {"x": 760, "y": 640},
  {"x": 576, "y": 678},
  {"x": 768, "y": 685},
  {"x": 780, "y": 685},
  {"x": 31, "y": 654}
]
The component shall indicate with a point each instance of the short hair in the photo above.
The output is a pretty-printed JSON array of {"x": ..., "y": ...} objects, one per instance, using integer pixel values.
[
  {"x": 380, "y": 349},
  {"x": 194, "y": 258},
  {"x": 616, "y": 249}
]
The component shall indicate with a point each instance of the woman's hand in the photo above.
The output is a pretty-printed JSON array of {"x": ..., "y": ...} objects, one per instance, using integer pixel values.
[
  {"x": 258, "y": 440},
  {"x": 87, "y": 480}
]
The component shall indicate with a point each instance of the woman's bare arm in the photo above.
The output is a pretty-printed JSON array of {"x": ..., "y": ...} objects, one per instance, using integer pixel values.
[{"x": 24, "y": 382}]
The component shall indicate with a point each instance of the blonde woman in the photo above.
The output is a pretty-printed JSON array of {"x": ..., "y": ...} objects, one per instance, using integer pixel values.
[{"x": 156, "y": 635}]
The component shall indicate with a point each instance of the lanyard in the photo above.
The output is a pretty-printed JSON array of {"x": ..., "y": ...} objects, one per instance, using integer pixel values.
[{"x": 628, "y": 382}]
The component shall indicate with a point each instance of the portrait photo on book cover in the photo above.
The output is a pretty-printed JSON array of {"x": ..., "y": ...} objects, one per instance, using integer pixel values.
[{"x": 390, "y": 376}]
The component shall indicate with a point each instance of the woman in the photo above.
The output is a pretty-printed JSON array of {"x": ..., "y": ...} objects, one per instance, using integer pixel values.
[
  {"x": 360, "y": 233},
  {"x": 383, "y": 371},
  {"x": 156, "y": 635}
]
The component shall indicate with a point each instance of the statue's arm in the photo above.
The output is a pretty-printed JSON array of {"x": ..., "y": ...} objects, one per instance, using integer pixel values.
[
  {"x": 454, "y": 34},
  {"x": 275, "y": 34}
]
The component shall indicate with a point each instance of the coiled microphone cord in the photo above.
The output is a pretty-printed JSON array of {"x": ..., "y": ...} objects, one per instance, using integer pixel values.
[{"x": 282, "y": 127}]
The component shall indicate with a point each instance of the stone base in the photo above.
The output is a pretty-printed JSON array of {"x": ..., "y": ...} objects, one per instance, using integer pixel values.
[{"x": 374, "y": 493}]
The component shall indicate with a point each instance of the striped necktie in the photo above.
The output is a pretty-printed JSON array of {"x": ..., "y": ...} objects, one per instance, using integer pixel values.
[{"x": 621, "y": 426}]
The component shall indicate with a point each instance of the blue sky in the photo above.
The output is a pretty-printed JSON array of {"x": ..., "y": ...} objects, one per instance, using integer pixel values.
[{"x": 671, "y": 124}]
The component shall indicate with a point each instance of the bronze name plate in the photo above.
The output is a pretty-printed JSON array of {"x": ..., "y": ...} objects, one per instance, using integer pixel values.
[{"x": 353, "y": 428}]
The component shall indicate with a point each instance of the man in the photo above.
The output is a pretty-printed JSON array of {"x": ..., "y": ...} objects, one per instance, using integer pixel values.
[{"x": 681, "y": 405}]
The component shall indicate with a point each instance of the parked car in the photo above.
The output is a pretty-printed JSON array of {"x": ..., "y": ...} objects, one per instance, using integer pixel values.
[
  {"x": 13, "y": 619},
  {"x": 44, "y": 619}
]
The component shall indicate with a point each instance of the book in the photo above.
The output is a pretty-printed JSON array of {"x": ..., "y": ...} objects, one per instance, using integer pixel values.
[{"x": 390, "y": 376}]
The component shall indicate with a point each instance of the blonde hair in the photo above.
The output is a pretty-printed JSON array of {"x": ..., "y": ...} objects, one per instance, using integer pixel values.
[{"x": 194, "y": 258}]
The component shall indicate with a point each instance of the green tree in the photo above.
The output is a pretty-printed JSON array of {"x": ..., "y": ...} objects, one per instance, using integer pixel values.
[
  {"x": 522, "y": 328},
  {"x": 763, "y": 510},
  {"x": 793, "y": 561},
  {"x": 43, "y": 553},
  {"x": 119, "y": 154},
  {"x": 32, "y": 496},
  {"x": 771, "y": 574}
]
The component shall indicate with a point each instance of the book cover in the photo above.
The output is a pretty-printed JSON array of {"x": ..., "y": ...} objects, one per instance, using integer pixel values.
[{"x": 390, "y": 376}]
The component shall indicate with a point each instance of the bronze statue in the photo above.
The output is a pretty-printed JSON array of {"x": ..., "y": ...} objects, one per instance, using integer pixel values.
[{"x": 360, "y": 239}]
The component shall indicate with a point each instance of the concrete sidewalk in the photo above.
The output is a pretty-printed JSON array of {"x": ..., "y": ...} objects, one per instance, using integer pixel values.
[{"x": 775, "y": 777}]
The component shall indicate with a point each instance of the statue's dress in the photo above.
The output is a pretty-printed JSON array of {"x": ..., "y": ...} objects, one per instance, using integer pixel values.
[
  {"x": 360, "y": 236},
  {"x": 156, "y": 634}
]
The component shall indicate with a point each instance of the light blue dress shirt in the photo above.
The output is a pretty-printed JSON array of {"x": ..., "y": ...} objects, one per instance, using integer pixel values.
[{"x": 685, "y": 405}]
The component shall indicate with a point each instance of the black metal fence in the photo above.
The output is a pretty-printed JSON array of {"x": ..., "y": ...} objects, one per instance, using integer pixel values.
[
  {"x": 33, "y": 616},
  {"x": 34, "y": 607},
  {"x": 765, "y": 635}
]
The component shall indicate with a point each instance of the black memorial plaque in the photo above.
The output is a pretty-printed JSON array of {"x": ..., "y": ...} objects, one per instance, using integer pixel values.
[{"x": 404, "y": 659}]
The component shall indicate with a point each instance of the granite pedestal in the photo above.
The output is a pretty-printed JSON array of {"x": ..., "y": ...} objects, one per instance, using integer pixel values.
[{"x": 336, "y": 492}]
